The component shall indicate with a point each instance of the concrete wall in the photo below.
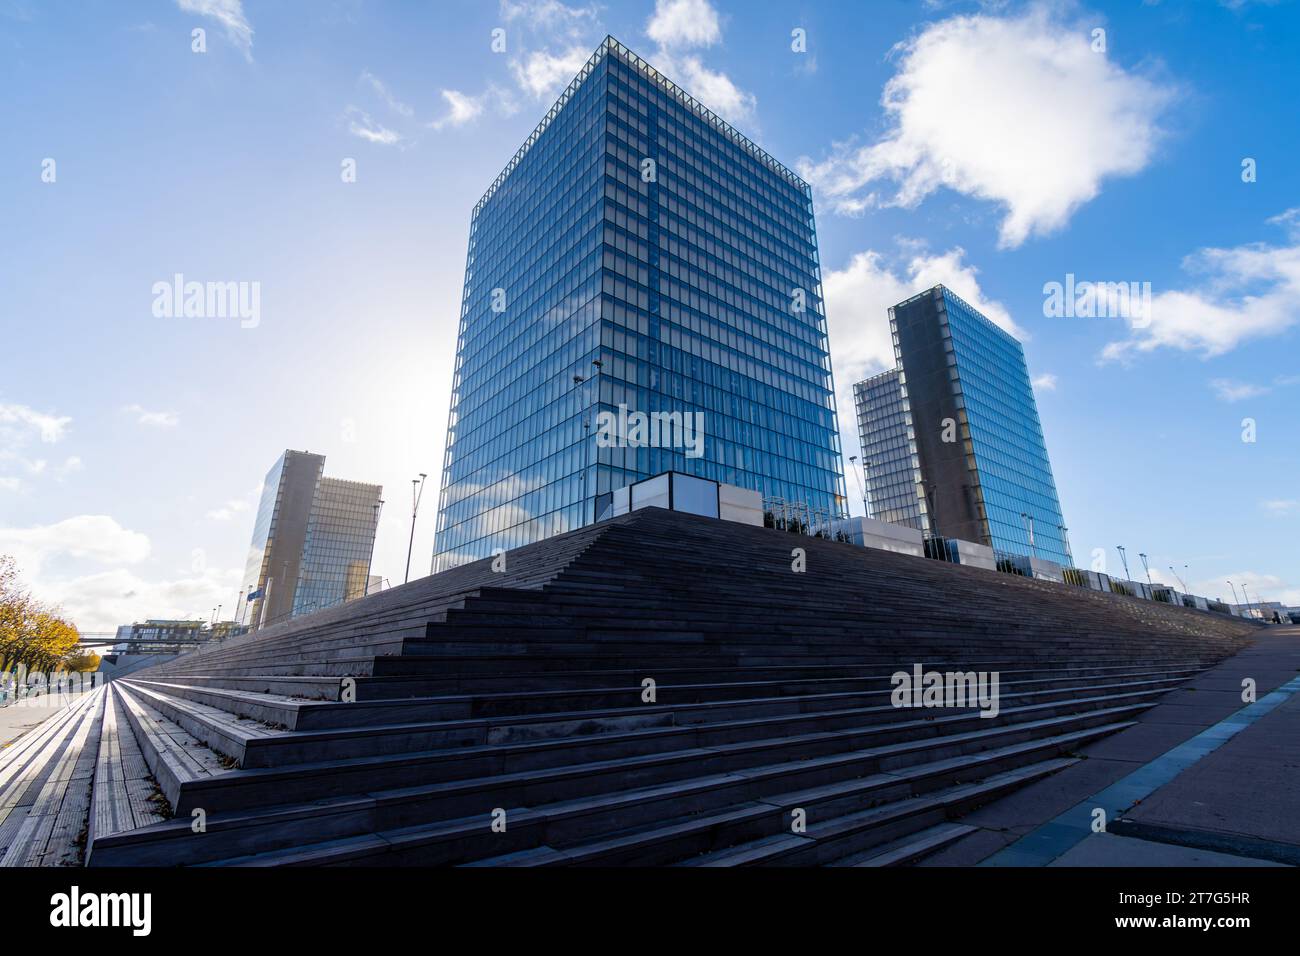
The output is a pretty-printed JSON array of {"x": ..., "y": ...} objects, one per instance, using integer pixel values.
[
  {"x": 124, "y": 664},
  {"x": 972, "y": 554},
  {"x": 740, "y": 505},
  {"x": 687, "y": 493},
  {"x": 1041, "y": 569},
  {"x": 882, "y": 535}
]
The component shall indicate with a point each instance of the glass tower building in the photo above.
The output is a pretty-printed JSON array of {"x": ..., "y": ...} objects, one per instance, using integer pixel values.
[
  {"x": 638, "y": 254},
  {"x": 975, "y": 450},
  {"x": 890, "y": 464},
  {"x": 340, "y": 542},
  {"x": 312, "y": 541}
]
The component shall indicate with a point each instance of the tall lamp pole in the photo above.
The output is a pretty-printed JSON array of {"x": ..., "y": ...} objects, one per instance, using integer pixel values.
[
  {"x": 588, "y": 514},
  {"x": 1123, "y": 556},
  {"x": 1147, "y": 568},
  {"x": 1065, "y": 539},
  {"x": 1250, "y": 606},
  {"x": 1235, "y": 600},
  {"x": 379, "y": 509},
  {"x": 417, "y": 492},
  {"x": 1029, "y": 526},
  {"x": 853, "y": 460},
  {"x": 582, "y": 478},
  {"x": 1181, "y": 583}
]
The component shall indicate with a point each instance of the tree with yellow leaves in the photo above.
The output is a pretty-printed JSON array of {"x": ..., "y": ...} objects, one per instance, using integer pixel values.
[{"x": 32, "y": 635}]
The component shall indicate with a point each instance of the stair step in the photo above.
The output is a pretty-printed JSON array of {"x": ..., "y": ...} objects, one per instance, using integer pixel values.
[{"x": 910, "y": 848}]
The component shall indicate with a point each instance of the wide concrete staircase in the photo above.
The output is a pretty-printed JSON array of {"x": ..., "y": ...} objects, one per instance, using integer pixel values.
[{"x": 656, "y": 689}]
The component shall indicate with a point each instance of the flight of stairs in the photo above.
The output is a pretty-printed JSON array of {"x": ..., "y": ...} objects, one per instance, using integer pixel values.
[{"x": 504, "y": 718}]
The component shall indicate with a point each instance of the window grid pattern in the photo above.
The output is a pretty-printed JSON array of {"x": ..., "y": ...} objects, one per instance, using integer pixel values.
[
  {"x": 999, "y": 419},
  {"x": 339, "y": 544},
  {"x": 892, "y": 467},
  {"x": 697, "y": 288}
]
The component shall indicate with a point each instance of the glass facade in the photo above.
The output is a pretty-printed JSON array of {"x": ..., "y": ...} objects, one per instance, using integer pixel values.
[
  {"x": 340, "y": 542},
  {"x": 891, "y": 467},
  {"x": 983, "y": 470},
  {"x": 638, "y": 255},
  {"x": 312, "y": 541}
]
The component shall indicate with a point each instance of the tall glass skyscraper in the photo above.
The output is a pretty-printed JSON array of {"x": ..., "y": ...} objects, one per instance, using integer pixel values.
[
  {"x": 638, "y": 254},
  {"x": 312, "y": 543},
  {"x": 891, "y": 467},
  {"x": 976, "y": 455}
]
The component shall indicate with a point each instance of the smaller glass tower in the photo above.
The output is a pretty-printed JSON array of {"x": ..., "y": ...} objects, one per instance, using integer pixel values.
[
  {"x": 313, "y": 539},
  {"x": 970, "y": 440}
]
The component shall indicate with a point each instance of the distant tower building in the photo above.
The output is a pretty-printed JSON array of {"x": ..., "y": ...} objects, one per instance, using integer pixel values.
[
  {"x": 637, "y": 254},
  {"x": 313, "y": 540},
  {"x": 970, "y": 441},
  {"x": 890, "y": 466}
]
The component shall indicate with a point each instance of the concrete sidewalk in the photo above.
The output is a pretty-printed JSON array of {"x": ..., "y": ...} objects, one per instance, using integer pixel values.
[
  {"x": 1237, "y": 805},
  {"x": 16, "y": 721}
]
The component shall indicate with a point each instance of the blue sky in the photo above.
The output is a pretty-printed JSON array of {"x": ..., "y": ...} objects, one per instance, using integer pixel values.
[{"x": 995, "y": 147}]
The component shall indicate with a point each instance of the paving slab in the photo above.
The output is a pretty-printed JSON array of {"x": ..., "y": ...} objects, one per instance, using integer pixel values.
[
  {"x": 1248, "y": 786},
  {"x": 1107, "y": 849},
  {"x": 16, "y": 720}
]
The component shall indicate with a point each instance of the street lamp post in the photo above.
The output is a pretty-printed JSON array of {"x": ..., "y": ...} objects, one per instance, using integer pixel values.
[
  {"x": 1065, "y": 540},
  {"x": 1029, "y": 526},
  {"x": 1250, "y": 605},
  {"x": 1181, "y": 583},
  {"x": 378, "y": 509},
  {"x": 1123, "y": 556},
  {"x": 1147, "y": 568},
  {"x": 582, "y": 478},
  {"x": 588, "y": 513},
  {"x": 853, "y": 460},
  {"x": 417, "y": 492}
]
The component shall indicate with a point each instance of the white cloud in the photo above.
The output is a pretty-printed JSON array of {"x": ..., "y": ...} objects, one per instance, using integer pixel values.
[
  {"x": 1230, "y": 391},
  {"x": 462, "y": 108},
  {"x": 715, "y": 90},
  {"x": 230, "y": 14},
  {"x": 684, "y": 23},
  {"x": 1245, "y": 292},
  {"x": 1045, "y": 382},
  {"x": 92, "y": 537},
  {"x": 1281, "y": 506},
  {"x": 1261, "y": 587},
  {"x": 546, "y": 14},
  {"x": 51, "y": 427},
  {"x": 1244, "y": 4},
  {"x": 10, "y": 483},
  {"x": 678, "y": 25},
  {"x": 394, "y": 104},
  {"x": 227, "y": 511},
  {"x": 363, "y": 126},
  {"x": 153, "y": 419},
  {"x": 102, "y": 599},
  {"x": 106, "y": 599},
  {"x": 858, "y": 298},
  {"x": 1288, "y": 220},
  {"x": 551, "y": 43},
  {"x": 1018, "y": 111},
  {"x": 544, "y": 74}
]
